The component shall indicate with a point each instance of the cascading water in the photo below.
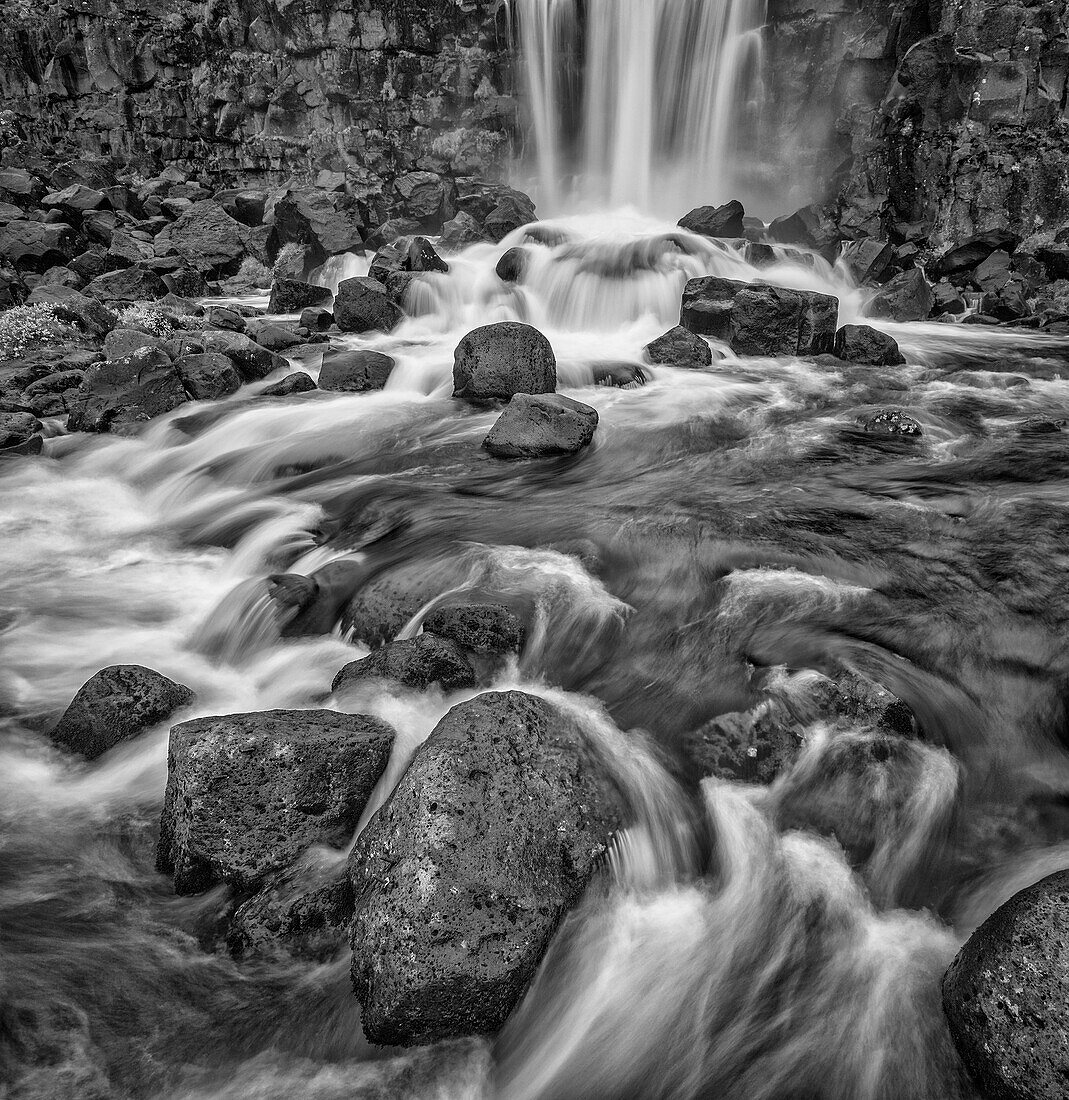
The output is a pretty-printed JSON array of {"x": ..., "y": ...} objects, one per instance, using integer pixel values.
[{"x": 652, "y": 103}]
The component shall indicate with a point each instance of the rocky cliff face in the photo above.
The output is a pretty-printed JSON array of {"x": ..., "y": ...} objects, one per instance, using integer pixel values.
[{"x": 262, "y": 90}]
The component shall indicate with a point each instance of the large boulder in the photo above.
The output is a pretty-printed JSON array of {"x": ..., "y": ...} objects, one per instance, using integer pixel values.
[
  {"x": 462, "y": 877},
  {"x": 247, "y": 793},
  {"x": 964, "y": 257},
  {"x": 381, "y": 608},
  {"x": 812, "y": 227},
  {"x": 412, "y": 662},
  {"x": 484, "y": 628},
  {"x": 460, "y": 232},
  {"x": 75, "y": 200},
  {"x": 127, "y": 284},
  {"x": 292, "y": 296},
  {"x": 537, "y": 425},
  {"x": 716, "y": 221},
  {"x": 867, "y": 259},
  {"x": 36, "y": 246},
  {"x": 679, "y": 347},
  {"x": 501, "y": 360},
  {"x": 863, "y": 344},
  {"x": 707, "y": 306},
  {"x": 345, "y": 371},
  {"x": 121, "y": 342},
  {"x": 72, "y": 306},
  {"x": 324, "y": 223},
  {"x": 297, "y": 382},
  {"x": 411, "y": 254},
  {"x": 124, "y": 392},
  {"x": 115, "y": 705},
  {"x": 1005, "y": 995},
  {"x": 907, "y": 297},
  {"x": 362, "y": 305},
  {"x": 253, "y": 361},
  {"x": 207, "y": 239},
  {"x": 18, "y": 434},
  {"x": 208, "y": 377}
]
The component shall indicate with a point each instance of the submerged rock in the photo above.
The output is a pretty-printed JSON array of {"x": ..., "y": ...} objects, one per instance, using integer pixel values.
[
  {"x": 379, "y": 610},
  {"x": 863, "y": 344},
  {"x": 116, "y": 704},
  {"x": 247, "y": 793},
  {"x": 413, "y": 662},
  {"x": 501, "y": 360},
  {"x": 298, "y": 382},
  {"x": 893, "y": 422},
  {"x": 679, "y": 347},
  {"x": 462, "y": 877},
  {"x": 536, "y": 425},
  {"x": 346, "y": 371}
]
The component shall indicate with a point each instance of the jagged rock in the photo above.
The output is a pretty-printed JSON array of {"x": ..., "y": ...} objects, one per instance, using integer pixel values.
[
  {"x": 298, "y": 382},
  {"x": 413, "y": 254},
  {"x": 484, "y": 628},
  {"x": 536, "y": 425},
  {"x": 54, "y": 395},
  {"x": 125, "y": 392},
  {"x": 867, "y": 260},
  {"x": 707, "y": 306},
  {"x": 354, "y": 371},
  {"x": 253, "y": 361},
  {"x": 679, "y": 347},
  {"x": 18, "y": 433},
  {"x": 291, "y": 296},
  {"x": 128, "y": 284},
  {"x": 36, "y": 246},
  {"x": 274, "y": 335},
  {"x": 316, "y": 319},
  {"x": 324, "y": 223},
  {"x": 62, "y": 276},
  {"x": 223, "y": 317},
  {"x": 966, "y": 256},
  {"x": 207, "y": 239},
  {"x": 716, "y": 221},
  {"x": 510, "y": 214},
  {"x": 907, "y": 297},
  {"x": 1056, "y": 260},
  {"x": 124, "y": 250},
  {"x": 423, "y": 195},
  {"x": 116, "y": 704},
  {"x": 947, "y": 299},
  {"x": 414, "y": 662},
  {"x": 208, "y": 377},
  {"x": 186, "y": 283},
  {"x": 862, "y": 344},
  {"x": 892, "y": 422},
  {"x": 74, "y": 307},
  {"x": 460, "y": 232},
  {"x": 361, "y": 305},
  {"x": 75, "y": 200},
  {"x": 503, "y": 359},
  {"x": 512, "y": 265},
  {"x": 13, "y": 289},
  {"x": 393, "y": 228},
  {"x": 462, "y": 877},
  {"x": 810, "y": 227},
  {"x": 247, "y": 793}
]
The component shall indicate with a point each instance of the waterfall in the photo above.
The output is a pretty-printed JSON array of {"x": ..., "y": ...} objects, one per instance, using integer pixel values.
[{"x": 667, "y": 94}]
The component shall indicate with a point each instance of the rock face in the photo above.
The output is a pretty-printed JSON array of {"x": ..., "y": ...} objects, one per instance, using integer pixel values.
[
  {"x": 115, "y": 705},
  {"x": 462, "y": 877},
  {"x": 413, "y": 662},
  {"x": 246, "y": 793},
  {"x": 501, "y": 360},
  {"x": 536, "y": 425},
  {"x": 1005, "y": 995}
]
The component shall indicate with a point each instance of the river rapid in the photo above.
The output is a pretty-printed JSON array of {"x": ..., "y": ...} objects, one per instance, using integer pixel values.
[{"x": 726, "y": 525}]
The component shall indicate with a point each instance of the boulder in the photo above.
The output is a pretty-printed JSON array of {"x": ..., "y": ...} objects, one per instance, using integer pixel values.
[
  {"x": 247, "y": 793},
  {"x": 18, "y": 434},
  {"x": 13, "y": 289},
  {"x": 503, "y": 359},
  {"x": 74, "y": 307},
  {"x": 460, "y": 232},
  {"x": 75, "y": 200},
  {"x": 207, "y": 239},
  {"x": 512, "y": 265},
  {"x": 54, "y": 394},
  {"x": 253, "y": 361},
  {"x": 61, "y": 276},
  {"x": 121, "y": 342},
  {"x": 946, "y": 298},
  {"x": 412, "y": 254},
  {"x": 362, "y": 305},
  {"x": 624, "y": 376},
  {"x": 413, "y": 662},
  {"x": 487, "y": 629},
  {"x": 223, "y": 317},
  {"x": 1004, "y": 995},
  {"x": 208, "y": 377},
  {"x": 707, "y": 306},
  {"x": 892, "y": 422},
  {"x": 863, "y": 344},
  {"x": 907, "y": 297},
  {"x": 291, "y": 296},
  {"x": 128, "y": 391},
  {"x": 115, "y": 705},
  {"x": 324, "y": 223},
  {"x": 275, "y": 335},
  {"x": 536, "y": 425},
  {"x": 346, "y": 371},
  {"x": 811, "y": 227},
  {"x": 716, "y": 221},
  {"x": 125, "y": 250},
  {"x": 510, "y": 214},
  {"x": 462, "y": 877},
  {"x": 867, "y": 260},
  {"x": 36, "y": 246},
  {"x": 679, "y": 347},
  {"x": 316, "y": 319},
  {"x": 423, "y": 195},
  {"x": 1055, "y": 260},
  {"x": 964, "y": 257},
  {"x": 298, "y": 382},
  {"x": 382, "y": 606},
  {"x": 128, "y": 284}
]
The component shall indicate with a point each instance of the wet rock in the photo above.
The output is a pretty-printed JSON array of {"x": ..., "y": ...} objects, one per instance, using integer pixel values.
[
  {"x": 484, "y": 628},
  {"x": 316, "y": 319},
  {"x": 863, "y": 344},
  {"x": 275, "y": 336},
  {"x": 462, "y": 877},
  {"x": 867, "y": 260},
  {"x": 292, "y": 296},
  {"x": 18, "y": 433},
  {"x": 624, "y": 376},
  {"x": 291, "y": 594},
  {"x": 947, "y": 299},
  {"x": 116, "y": 704},
  {"x": 512, "y": 265},
  {"x": 907, "y": 297},
  {"x": 1004, "y": 995},
  {"x": 810, "y": 227},
  {"x": 225, "y": 318},
  {"x": 503, "y": 359},
  {"x": 324, "y": 223},
  {"x": 247, "y": 793},
  {"x": 707, "y": 306},
  {"x": 362, "y": 305},
  {"x": 411, "y": 254},
  {"x": 382, "y": 607},
  {"x": 121, "y": 342},
  {"x": 252, "y": 361},
  {"x": 769, "y": 320},
  {"x": 207, "y": 239},
  {"x": 413, "y": 662},
  {"x": 125, "y": 392},
  {"x": 974, "y": 251},
  {"x": 208, "y": 377},
  {"x": 716, "y": 221},
  {"x": 460, "y": 232},
  {"x": 752, "y": 746},
  {"x": 513, "y": 212},
  {"x": 391, "y": 229},
  {"x": 36, "y": 246},
  {"x": 54, "y": 395},
  {"x": 346, "y": 371},
  {"x": 537, "y": 425},
  {"x": 298, "y": 382},
  {"x": 892, "y": 422},
  {"x": 679, "y": 347},
  {"x": 128, "y": 284}
]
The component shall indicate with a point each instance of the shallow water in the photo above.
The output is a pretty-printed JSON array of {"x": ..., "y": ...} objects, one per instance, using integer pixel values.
[{"x": 725, "y": 523}]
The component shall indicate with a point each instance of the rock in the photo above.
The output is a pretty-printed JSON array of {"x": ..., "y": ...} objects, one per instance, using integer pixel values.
[
  {"x": 412, "y": 254},
  {"x": 754, "y": 746},
  {"x": 54, "y": 395},
  {"x": 36, "y": 246},
  {"x": 253, "y": 361},
  {"x": 503, "y": 359},
  {"x": 61, "y": 276},
  {"x": 324, "y": 223},
  {"x": 867, "y": 260},
  {"x": 413, "y": 662},
  {"x": 208, "y": 377},
  {"x": 621, "y": 375},
  {"x": 484, "y": 628},
  {"x": 679, "y": 347},
  {"x": 128, "y": 284},
  {"x": 759, "y": 254},
  {"x": 460, "y": 232},
  {"x": 423, "y": 195},
  {"x": 298, "y": 382},
  {"x": 125, "y": 250},
  {"x": 716, "y": 221},
  {"x": 974, "y": 251},
  {"x": 186, "y": 283},
  {"x": 907, "y": 297},
  {"x": 462, "y": 877},
  {"x": 1056, "y": 261},
  {"x": 121, "y": 342},
  {"x": 275, "y": 336},
  {"x": 75, "y": 308},
  {"x": 116, "y": 704},
  {"x": 126, "y": 391},
  {"x": 513, "y": 264},
  {"x": 247, "y": 793},
  {"x": 207, "y": 239},
  {"x": 316, "y": 319},
  {"x": 536, "y": 425},
  {"x": 947, "y": 299},
  {"x": 291, "y": 296},
  {"x": 382, "y": 607},
  {"x": 510, "y": 214},
  {"x": 361, "y": 305},
  {"x": 223, "y": 317},
  {"x": 707, "y": 306},
  {"x": 810, "y": 227},
  {"x": 893, "y": 422},
  {"x": 393, "y": 228},
  {"x": 354, "y": 371},
  {"x": 862, "y": 344},
  {"x": 18, "y": 433},
  {"x": 1004, "y": 995},
  {"x": 75, "y": 200},
  {"x": 13, "y": 289}
]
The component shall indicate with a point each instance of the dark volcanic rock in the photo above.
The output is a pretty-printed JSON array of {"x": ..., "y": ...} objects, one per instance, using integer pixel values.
[
  {"x": 749, "y": 746},
  {"x": 907, "y": 297},
  {"x": 679, "y": 347},
  {"x": 462, "y": 877},
  {"x": 972, "y": 252},
  {"x": 379, "y": 610},
  {"x": 54, "y": 395},
  {"x": 893, "y": 422},
  {"x": 708, "y": 304},
  {"x": 867, "y": 260},
  {"x": 716, "y": 221},
  {"x": 18, "y": 434},
  {"x": 534, "y": 425},
  {"x": 72, "y": 306},
  {"x": 126, "y": 391},
  {"x": 117, "y": 704},
  {"x": 1005, "y": 995},
  {"x": 316, "y": 319},
  {"x": 128, "y": 284},
  {"x": 253, "y": 361},
  {"x": 810, "y": 227},
  {"x": 36, "y": 246},
  {"x": 298, "y": 382},
  {"x": 484, "y": 628},
  {"x": 863, "y": 344},
  {"x": 346, "y": 371},
  {"x": 362, "y": 305},
  {"x": 411, "y": 254},
  {"x": 208, "y": 377},
  {"x": 292, "y": 296},
  {"x": 512, "y": 264},
  {"x": 501, "y": 360},
  {"x": 414, "y": 662},
  {"x": 769, "y": 320},
  {"x": 247, "y": 793},
  {"x": 324, "y": 223},
  {"x": 121, "y": 342},
  {"x": 207, "y": 239},
  {"x": 459, "y": 232}
]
